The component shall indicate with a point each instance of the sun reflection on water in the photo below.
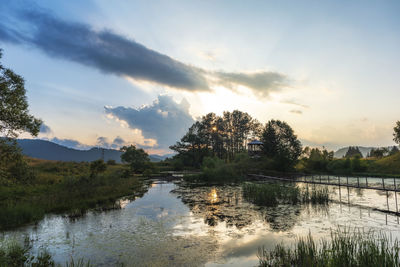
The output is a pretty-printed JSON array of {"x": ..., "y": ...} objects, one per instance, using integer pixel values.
[{"x": 213, "y": 195}]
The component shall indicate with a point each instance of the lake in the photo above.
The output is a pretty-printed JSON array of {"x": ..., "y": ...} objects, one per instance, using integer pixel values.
[{"x": 178, "y": 224}]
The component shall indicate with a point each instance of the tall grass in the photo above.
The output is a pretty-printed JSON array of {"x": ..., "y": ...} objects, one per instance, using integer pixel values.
[
  {"x": 63, "y": 187},
  {"x": 15, "y": 255},
  {"x": 346, "y": 248},
  {"x": 315, "y": 195},
  {"x": 272, "y": 194}
]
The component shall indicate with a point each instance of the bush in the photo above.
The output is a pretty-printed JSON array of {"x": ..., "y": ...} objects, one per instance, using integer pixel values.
[
  {"x": 111, "y": 162},
  {"x": 211, "y": 163},
  {"x": 97, "y": 167}
]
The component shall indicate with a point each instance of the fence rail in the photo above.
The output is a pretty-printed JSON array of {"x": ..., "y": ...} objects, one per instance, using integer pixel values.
[{"x": 343, "y": 181}]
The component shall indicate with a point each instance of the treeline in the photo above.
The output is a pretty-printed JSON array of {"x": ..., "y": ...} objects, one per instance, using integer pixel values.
[
  {"x": 224, "y": 137},
  {"x": 223, "y": 141},
  {"x": 315, "y": 160},
  {"x": 217, "y": 136}
]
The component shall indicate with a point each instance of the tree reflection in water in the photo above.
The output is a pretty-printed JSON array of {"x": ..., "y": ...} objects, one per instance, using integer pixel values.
[{"x": 219, "y": 204}]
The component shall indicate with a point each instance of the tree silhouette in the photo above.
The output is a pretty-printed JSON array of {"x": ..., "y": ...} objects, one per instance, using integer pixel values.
[
  {"x": 281, "y": 144},
  {"x": 396, "y": 133},
  {"x": 14, "y": 113}
]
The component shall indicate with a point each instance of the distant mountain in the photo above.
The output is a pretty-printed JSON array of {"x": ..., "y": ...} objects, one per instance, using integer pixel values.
[
  {"x": 364, "y": 151},
  {"x": 43, "y": 149}
]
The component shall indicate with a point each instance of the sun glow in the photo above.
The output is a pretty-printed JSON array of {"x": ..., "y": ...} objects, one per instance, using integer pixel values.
[{"x": 213, "y": 196}]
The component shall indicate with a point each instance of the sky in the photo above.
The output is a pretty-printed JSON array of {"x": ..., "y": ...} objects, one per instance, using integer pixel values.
[{"x": 113, "y": 73}]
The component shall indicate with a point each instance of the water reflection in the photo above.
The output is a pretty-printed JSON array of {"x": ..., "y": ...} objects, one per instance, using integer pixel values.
[
  {"x": 226, "y": 204},
  {"x": 183, "y": 225}
]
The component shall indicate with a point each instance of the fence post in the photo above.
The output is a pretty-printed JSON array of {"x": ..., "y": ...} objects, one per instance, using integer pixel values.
[
  {"x": 387, "y": 199},
  {"x": 395, "y": 194},
  {"x": 383, "y": 183},
  {"x": 366, "y": 182},
  {"x": 358, "y": 182}
]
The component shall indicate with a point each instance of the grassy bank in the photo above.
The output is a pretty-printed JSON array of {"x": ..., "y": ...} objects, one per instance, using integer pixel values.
[
  {"x": 345, "y": 248},
  {"x": 272, "y": 194},
  {"x": 63, "y": 187}
]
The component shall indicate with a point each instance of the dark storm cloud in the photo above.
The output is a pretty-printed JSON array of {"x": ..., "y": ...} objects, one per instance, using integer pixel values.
[
  {"x": 164, "y": 120},
  {"x": 104, "y": 50},
  {"x": 119, "y": 55}
]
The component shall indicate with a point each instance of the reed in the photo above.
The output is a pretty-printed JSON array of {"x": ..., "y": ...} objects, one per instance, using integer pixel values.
[
  {"x": 345, "y": 248},
  {"x": 272, "y": 194}
]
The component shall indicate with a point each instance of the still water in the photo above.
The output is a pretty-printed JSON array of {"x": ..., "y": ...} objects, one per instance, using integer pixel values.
[{"x": 175, "y": 224}]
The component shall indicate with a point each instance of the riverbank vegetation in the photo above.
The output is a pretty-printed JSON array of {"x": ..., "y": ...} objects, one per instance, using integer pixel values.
[
  {"x": 63, "y": 187},
  {"x": 272, "y": 194},
  {"x": 225, "y": 138},
  {"x": 345, "y": 248},
  {"x": 14, "y": 254},
  {"x": 375, "y": 164}
]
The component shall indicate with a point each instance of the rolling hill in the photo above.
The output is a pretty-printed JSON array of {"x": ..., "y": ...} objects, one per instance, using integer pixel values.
[{"x": 43, "y": 149}]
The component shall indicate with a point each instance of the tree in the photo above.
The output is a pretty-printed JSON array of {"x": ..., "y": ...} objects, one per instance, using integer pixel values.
[
  {"x": 14, "y": 119},
  {"x": 281, "y": 144},
  {"x": 396, "y": 134},
  {"x": 394, "y": 151},
  {"x": 138, "y": 159},
  {"x": 96, "y": 167},
  {"x": 14, "y": 113},
  {"x": 379, "y": 152},
  {"x": 353, "y": 152}
]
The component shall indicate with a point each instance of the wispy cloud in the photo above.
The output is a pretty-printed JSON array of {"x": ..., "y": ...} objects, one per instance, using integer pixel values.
[
  {"x": 296, "y": 111},
  {"x": 295, "y": 103},
  {"x": 71, "y": 143},
  {"x": 262, "y": 83},
  {"x": 113, "y": 53}
]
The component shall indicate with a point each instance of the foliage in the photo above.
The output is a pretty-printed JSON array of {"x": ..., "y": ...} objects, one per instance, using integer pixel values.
[
  {"x": 316, "y": 160},
  {"x": 60, "y": 187},
  {"x": 13, "y": 166},
  {"x": 394, "y": 151},
  {"x": 281, "y": 144},
  {"x": 217, "y": 136},
  {"x": 14, "y": 113},
  {"x": 379, "y": 152},
  {"x": 96, "y": 167},
  {"x": 211, "y": 163},
  {"x": 396, "y": 133},
  {"x": 138, "y": 159},
  {"x": 14, "y": 119},
  {"x": 353, "y": 151},
  {"x": 386, "y": 165},
  {"x": 344, "y": 249},
  {"x": 111, "y": 162}
]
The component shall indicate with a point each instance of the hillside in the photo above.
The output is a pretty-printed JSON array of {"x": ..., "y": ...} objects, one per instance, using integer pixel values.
[
  {"x": 387, "y": 165},
  {"x": 43, "y": 149}
]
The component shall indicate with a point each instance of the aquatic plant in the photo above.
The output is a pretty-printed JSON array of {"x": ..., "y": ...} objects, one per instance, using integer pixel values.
[
  {"x": 271, "y": 194},
  {"x": 346, "y": 248},
  {"x": 14, "y": 254}
]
